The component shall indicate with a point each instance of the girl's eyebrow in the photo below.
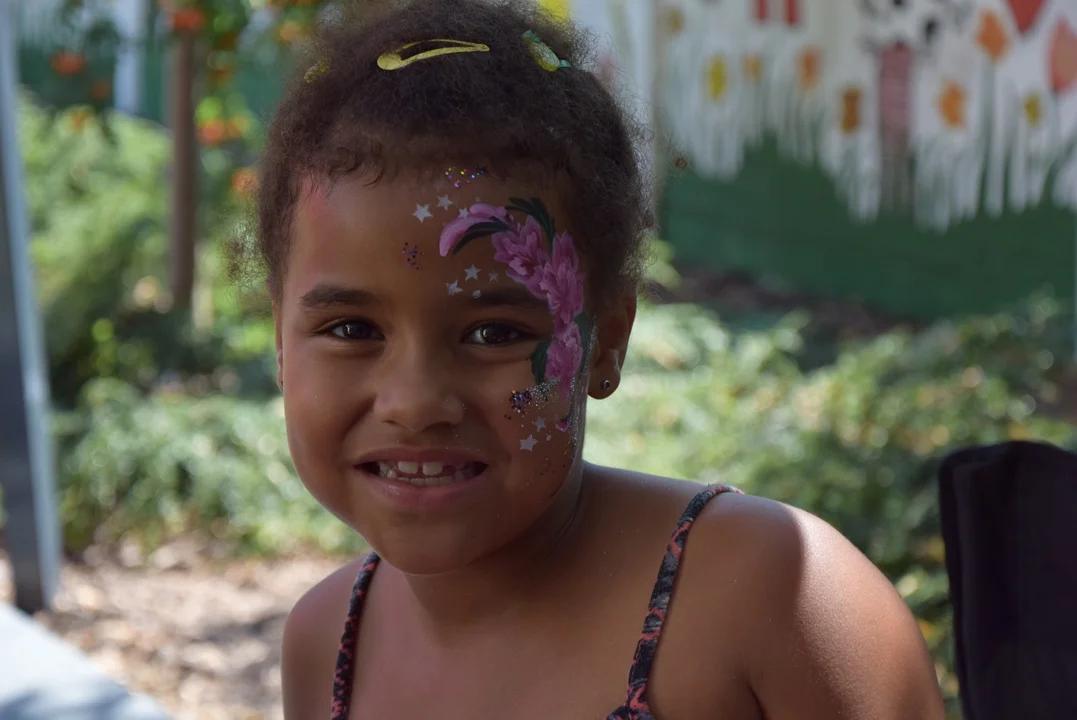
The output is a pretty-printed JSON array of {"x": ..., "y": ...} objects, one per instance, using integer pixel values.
[
  {"x": 519, "y": 297},
  {"x": 325, "y": 295}
]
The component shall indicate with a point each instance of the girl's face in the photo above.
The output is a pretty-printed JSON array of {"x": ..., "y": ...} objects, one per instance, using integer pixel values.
[{"x": 434, "y": 378}]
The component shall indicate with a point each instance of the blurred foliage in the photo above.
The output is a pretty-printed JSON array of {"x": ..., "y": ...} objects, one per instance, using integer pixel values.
[
  {"x": 150, "y": 468},
  {"x": 167, "y": 426},
  {"x": 98, "y": 219},
  {"x": 84, "y": 43}
]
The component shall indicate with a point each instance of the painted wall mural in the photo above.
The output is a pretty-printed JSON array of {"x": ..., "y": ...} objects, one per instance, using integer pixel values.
[{"x": 938, "y": 109}]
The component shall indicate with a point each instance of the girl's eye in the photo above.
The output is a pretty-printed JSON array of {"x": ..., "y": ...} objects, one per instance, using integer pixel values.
[
  {"x": 493, "y": 334},
  {"x": 353, "y": 330}
]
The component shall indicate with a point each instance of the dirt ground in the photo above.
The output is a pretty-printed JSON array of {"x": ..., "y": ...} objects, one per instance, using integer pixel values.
[{"x": 201, "y": 636}]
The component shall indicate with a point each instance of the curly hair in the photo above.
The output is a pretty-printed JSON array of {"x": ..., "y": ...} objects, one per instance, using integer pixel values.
[{"x": 498, "y": 109}]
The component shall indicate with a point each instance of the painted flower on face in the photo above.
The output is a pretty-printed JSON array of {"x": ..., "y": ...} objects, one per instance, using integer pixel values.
[
  {"x": 548, "y": 266},
  {"x": 522, "y": 252},
  {"x": 456, "y": 229},
  {"x": 564, "y": 357},
  {"x": 561, "y": 281}
]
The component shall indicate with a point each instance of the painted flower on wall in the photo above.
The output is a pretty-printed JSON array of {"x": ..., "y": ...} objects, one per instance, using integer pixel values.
[
  {"x": 1063, "y": 58},
  {"x": 753, "y": 68},
  {"x": 1033, "y": 109},
  {"x": 850, "y": 110},
  {"x": 717, "y": 79},
  {"x": 992, "y": 37},
  {"x": 1025, "y": 13},
  {"x": 675, "y": 21},
  {"x": 810, "y": 68},
  {"x": 952, "y": 105}
]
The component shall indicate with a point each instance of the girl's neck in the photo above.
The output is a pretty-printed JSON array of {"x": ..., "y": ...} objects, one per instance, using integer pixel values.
[{"x": 501, "y": 587}]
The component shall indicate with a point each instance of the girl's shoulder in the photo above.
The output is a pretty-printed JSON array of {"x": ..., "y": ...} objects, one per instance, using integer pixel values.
[
  {"x": 311, "y": 640},
  {"x": 793, "y": 608}
]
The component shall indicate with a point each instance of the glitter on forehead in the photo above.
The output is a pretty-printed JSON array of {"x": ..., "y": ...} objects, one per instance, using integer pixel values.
[{"x": 463, "y": 176}]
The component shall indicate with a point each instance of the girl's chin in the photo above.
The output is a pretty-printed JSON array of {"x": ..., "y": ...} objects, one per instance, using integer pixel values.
[{"x": 439, "y": 552}]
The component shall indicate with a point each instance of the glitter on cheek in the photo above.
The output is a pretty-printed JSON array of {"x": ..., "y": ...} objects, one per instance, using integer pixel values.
[
  {"x": 520, "y": 400},
  {"x": 411, "y": 256}
]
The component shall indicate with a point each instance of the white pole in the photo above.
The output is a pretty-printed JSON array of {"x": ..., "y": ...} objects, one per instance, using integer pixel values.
[
  {"x": 26, "y": 454},
  {"x": 130, "y": 17}
]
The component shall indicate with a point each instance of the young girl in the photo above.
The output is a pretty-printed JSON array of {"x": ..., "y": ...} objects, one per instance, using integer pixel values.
[{"x": 450, "y": 215}]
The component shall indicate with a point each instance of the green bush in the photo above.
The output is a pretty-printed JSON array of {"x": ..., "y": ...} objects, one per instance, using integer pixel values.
[{"x": 152, "y": 467}]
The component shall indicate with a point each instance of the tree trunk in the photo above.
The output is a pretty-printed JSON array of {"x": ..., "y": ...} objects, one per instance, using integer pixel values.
[{"x": 184, "y": 174}]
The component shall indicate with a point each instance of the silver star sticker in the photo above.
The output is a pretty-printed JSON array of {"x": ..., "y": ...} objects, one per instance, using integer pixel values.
[
  {"x": 529, "y": 443},
  {"x": 453, "y": 287},
  {"x": 463, "y": 212},
  {"x": 444, "y": 202},
  {"x": 540, "y": 424},
  {"x": 422, "y": 212},
  {"x": 471, "y": 273},
  {"x": 476, "y": 294},
  {"x": 494, "y": 276}
]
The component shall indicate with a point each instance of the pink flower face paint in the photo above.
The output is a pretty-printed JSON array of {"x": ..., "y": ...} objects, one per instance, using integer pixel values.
[{"x": 545, "y": 263}]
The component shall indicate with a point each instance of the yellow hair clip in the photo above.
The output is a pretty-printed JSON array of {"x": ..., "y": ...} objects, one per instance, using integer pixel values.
[{"x": 392, "y": 61}]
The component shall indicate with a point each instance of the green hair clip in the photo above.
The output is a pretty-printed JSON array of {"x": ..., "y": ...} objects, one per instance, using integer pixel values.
[{"x": 545, "y": 57}]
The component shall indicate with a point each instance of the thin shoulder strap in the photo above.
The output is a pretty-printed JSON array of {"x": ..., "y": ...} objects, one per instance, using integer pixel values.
[
  {"x": 345, "y": 672},
  {"x": 640, "y": 673}
]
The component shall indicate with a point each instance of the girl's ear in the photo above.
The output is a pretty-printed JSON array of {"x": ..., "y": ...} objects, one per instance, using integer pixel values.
[
  {"x": 279, "y": 345},
  {"x": 612, "y": 330}
]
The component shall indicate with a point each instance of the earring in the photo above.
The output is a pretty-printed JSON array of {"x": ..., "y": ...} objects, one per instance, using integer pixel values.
[{"x": 606, "y": 385}]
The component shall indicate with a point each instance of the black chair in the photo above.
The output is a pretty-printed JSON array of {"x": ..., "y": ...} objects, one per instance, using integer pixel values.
[{"x": 1009, "y": 524}]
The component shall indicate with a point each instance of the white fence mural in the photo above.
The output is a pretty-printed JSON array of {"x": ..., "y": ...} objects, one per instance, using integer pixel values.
[{"x": 940, "y": 108}]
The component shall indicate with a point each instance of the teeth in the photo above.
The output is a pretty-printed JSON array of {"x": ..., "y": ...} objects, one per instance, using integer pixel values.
[
  {"x": 427, "y": 481},
  {"x": 407, "y": 471}
]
